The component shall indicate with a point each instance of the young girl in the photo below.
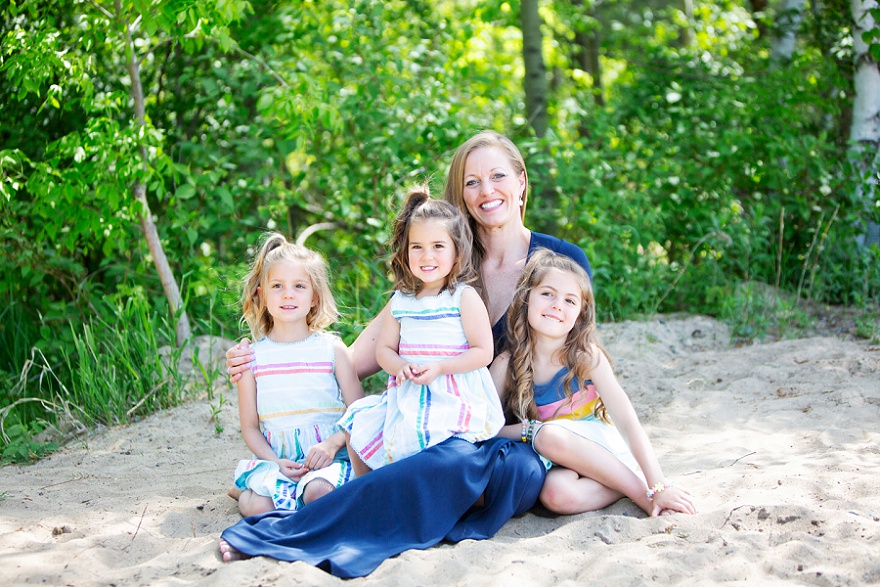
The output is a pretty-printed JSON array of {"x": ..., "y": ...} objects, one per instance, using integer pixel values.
[
  {"x": 435, "y": 345},
  {"x": 299, "y": 384},
  {"x": 557, "y": 378}
]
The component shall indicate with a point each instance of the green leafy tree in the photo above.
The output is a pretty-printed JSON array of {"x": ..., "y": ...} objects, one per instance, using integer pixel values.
[{"x": 89, "y": 185}]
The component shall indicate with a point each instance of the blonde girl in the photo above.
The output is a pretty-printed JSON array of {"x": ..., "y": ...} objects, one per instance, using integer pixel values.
[
  {"x": 557, "y": 379},
  {"x": 435, "y": 344},
  {"x": 298, "y": 385}
]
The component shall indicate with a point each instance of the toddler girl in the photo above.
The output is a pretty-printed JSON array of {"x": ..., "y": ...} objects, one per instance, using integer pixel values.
[{"x": 435, "y": 344}]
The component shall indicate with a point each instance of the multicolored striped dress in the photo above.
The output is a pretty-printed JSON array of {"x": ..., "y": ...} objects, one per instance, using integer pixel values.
[
  {"x": 299, "y": 403},
  {"x": 576, "y": 415},
  {"x": 408, "y": 418}
]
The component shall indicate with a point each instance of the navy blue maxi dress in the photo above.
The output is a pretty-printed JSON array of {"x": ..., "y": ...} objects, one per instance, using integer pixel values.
[{"x": 414, "y": 503}]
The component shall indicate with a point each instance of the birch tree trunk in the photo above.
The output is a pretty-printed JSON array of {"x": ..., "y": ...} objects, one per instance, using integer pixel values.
[
  {"x": 535, "y": 82},
  {"x": 788, "y": 21},
  {"x": 865, "y": 130},
  {"x": 139, "y": 190}
]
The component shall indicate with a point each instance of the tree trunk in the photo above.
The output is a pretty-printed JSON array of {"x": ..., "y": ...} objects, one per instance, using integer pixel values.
[
  {"x": 788, "y": 21},
  {"x": 535, "y": 83},
  {"x": 759, "y": 13},
  {"x": 587, "y": 43},
  {"x": 687, "y": 33},
  {"x": 865, "y": 130},
  {"x": 166, "y": 276}
]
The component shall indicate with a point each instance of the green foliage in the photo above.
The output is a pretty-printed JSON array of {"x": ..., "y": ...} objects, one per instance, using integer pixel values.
[{"x": 755, "y": 312}]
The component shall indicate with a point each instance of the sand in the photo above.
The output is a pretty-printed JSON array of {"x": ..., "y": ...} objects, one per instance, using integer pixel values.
[{"x": 780, "y": 442}]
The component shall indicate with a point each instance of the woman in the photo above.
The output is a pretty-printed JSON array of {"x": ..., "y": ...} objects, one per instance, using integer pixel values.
[{"x": 353, "y": 529}]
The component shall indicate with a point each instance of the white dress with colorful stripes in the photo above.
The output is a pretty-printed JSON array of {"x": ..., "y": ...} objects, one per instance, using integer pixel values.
[
  {"x": 575, "y": 414},
  {"x": 299, "y": 404},
  {"x": 409, "y": 418}
]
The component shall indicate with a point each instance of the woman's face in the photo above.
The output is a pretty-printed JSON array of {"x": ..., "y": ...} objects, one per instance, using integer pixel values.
[{"x": 492, "y": 188}]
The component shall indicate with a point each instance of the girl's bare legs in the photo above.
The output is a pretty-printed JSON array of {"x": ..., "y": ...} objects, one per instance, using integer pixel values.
[
  {"x": 251, "y": 504},
  {"x": 566, "y": 492},
  {"x": 359, "y": 466},
  {"x": 591, "y": 461}
]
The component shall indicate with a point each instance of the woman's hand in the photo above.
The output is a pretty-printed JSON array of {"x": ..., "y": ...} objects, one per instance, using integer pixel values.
[{"x": 238, "y": 359}]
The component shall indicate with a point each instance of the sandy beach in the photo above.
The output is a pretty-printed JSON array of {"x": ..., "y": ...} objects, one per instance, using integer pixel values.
[{"x": 779, "y": 441}]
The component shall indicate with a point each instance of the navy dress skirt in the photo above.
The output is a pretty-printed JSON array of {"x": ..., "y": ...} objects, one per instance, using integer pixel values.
[{"x": 414, "y": 503}]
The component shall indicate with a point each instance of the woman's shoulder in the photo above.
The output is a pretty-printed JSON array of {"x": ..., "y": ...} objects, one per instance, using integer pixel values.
[{"x": 561, "y": 246}]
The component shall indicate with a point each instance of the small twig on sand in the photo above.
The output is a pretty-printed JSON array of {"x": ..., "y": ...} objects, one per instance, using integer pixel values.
[
  {"x": 141, "y": 521},
  {"x": 741, "y": 458},
  {"x": 727, "y": 519}
]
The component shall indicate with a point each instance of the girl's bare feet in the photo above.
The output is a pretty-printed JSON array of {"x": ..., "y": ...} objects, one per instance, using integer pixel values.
[
  {"x": 230, "y": 554},
  {"x": 234, "y": 492}
]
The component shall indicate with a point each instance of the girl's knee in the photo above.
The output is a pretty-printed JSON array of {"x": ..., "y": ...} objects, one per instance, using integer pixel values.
[
  {"x": 558, "y": 496},
  {"x": 251, "y": 504},
  {"x": 316, "y": 489},
  {"x": 550, "y": 440}
]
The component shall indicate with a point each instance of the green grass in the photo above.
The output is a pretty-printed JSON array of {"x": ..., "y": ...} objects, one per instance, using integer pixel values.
[{"x": 119, "y": 368}]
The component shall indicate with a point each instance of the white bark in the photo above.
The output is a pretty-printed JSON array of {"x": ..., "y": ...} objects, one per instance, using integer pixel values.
[
  {"x": 866, "y": 104},
  {"x": 865, "y": 130},
  {"x": 788, "y": 21},
  {"x": 151, "y": 234}
]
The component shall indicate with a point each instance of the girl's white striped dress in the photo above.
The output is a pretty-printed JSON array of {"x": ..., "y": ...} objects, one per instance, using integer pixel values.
[
  {"x": 299, "y": 404},
  {"x": 409, "y": 418}
]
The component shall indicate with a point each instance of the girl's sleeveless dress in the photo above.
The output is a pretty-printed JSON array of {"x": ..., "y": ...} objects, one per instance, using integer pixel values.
[
  {"x": 408, "y": 418},
  {"x": 554, "y": 409},
  {"x": 299, "y": 403}
]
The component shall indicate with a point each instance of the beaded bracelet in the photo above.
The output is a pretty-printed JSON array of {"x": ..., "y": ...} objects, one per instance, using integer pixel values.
[
  {"x": 658, "y": 487},
  {"x": 528, "y": 430}
]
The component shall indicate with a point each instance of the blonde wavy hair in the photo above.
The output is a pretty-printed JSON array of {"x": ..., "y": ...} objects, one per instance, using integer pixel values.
[
  {"x": 276, "y": 248},
  {"x": 577, "y": 351},
  {"x": 420, "y": 206}
]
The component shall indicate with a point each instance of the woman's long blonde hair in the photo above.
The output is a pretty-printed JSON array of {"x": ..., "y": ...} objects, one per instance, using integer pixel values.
[
  {"x": 276, "y": 248},
  {"x": 454, "y": 193},
  {"x": 577, "y": 351}
]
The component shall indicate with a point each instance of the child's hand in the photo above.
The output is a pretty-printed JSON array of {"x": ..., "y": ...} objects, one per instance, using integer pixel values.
[
  {"x": 673, "y": 499},
  {"x": 320, "y": 456},
  {"x": 408, "y": 371},
  {"x": 427, "y": 374},
  {"x": 292, "y": 470}
]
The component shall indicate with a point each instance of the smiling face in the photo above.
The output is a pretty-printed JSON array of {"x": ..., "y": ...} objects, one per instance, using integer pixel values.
[
  {"x": 288, "y": 293},
  {"x": 492, "y": 188},
  {"x": 554, "y": 305},
  {"x": 430, "y": 254}
]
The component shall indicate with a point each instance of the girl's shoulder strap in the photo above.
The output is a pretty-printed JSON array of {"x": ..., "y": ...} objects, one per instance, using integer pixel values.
[{"x": 459, "y": 291}]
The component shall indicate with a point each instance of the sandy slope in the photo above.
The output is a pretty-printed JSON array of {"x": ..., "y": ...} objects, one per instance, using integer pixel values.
[{"x": 780, "y": 442}]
